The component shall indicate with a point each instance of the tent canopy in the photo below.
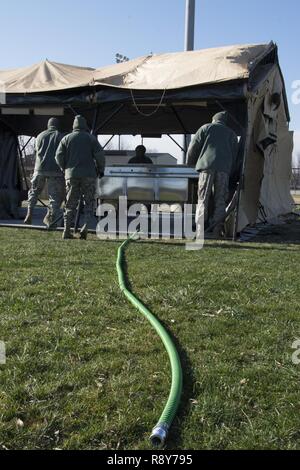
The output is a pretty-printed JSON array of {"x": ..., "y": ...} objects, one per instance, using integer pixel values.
[
  {"x": 162, "y": 94},
  {"x": 157, "y": 72}
]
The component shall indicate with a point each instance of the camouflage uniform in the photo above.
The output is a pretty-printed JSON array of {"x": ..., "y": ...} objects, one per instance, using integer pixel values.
[
  {"x": 214, "y": 152},
  {"x": 47, "y": 170},
  {"x": 218, "y": 183},
  {"x": 81, "y": 158},
  {"x": 77, "y": 187},
  {"x": 56, "y": 190}
]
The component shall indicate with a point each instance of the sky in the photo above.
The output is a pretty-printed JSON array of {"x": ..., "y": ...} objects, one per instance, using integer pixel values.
[{"x": 91, "y": 32}]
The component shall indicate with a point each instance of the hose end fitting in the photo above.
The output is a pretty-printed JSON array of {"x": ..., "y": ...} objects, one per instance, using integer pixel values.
[{"x": 159, "y": 435}]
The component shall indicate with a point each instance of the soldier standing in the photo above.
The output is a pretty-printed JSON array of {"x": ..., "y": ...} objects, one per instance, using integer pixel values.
[
  {"x": 214, "y": 151},
  {"x": 81, "y": 158},
  {"x": 46, "y": 170}
]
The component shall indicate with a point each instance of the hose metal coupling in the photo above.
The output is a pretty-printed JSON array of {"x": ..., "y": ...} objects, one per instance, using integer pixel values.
[{"x": 159, "y": 435}]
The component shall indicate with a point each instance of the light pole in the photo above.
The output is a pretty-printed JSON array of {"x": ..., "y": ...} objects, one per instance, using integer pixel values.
[
  {"x": 120, "y": 59},
  {"x": 190, "y": 25},
  {"x": 189, "y": 44}
]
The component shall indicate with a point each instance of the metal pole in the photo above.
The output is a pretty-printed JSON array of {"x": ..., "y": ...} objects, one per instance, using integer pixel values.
[
  {"x": 189, "y": 45},
  {"x": 190, "y": 25}
]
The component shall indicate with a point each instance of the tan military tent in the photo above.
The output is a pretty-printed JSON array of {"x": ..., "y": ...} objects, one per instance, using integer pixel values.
[{"x": 172, "y": 94}]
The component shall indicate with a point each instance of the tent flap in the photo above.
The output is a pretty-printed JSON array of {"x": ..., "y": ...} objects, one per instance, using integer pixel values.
[{"x": 10, "y": 182}]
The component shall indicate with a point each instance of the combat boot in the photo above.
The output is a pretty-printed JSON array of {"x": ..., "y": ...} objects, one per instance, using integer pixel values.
[
  {"x": 28, "y": 219},
  {"x": 47, "y": 219},
  {"x": 53, "y": 222},
  {"x": 84, "y": 233},
  {"x": 218, "y": 232},
  {"x": 67, "y": 235}
]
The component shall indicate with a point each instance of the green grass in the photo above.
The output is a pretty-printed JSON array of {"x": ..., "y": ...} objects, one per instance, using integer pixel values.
[{"x": 85, "y": 371}]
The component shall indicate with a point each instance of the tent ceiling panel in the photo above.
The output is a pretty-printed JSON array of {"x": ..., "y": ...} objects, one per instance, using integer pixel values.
[{"x": 125, "y": 119}]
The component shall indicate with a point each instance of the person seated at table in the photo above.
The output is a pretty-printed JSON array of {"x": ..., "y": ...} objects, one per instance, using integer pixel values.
[{"x": 140, "y": 157}]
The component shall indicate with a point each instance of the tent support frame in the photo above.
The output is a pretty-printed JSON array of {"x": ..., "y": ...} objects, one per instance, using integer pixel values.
[
  {"x": 27, "y": 143},
  {"x": 185, "y": 131},
  {"x": 175, "y": 142},
  {"x": 242, "y": 176},
  {"x": 93, "y": 131},
  {"x": 108, "y": 142}
]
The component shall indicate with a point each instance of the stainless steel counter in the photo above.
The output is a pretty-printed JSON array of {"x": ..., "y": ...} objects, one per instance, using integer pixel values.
[{"x": 148, "y": 183}]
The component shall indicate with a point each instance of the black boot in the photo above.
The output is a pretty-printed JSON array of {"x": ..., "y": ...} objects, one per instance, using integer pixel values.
[
  {"x": 67, "y": 235},
  {"x": 84, "y": 233}
]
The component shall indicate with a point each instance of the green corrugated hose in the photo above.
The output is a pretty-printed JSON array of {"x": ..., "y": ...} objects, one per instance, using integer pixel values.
[{"x": 161, "y": 430}]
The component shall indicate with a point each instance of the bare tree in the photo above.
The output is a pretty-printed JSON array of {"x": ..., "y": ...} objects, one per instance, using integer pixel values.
[{"x": 295, "y": 183}]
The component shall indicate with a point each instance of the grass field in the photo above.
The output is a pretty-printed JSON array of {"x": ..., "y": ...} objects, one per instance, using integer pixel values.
[{"x": 85, "y": 371}]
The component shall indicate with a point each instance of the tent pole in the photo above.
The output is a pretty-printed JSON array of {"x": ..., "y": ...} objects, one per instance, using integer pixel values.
[
  {"x": 189, "y": 45},
  {"x": 190, "y": 25},
  {"x": 175, "y": 142},
  {"x": 28, "y": 142},
  {"x": 242, "y": 176},
  {"x": 93, "y": 131},
  {"x": 186, "y": 133},
  {"x": 20, "y": 152},
  {"x": 73, "y": 110},
  {"x": 108, "y": 142}
]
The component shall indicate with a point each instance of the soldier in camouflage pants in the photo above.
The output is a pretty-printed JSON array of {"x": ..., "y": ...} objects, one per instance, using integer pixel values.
[
  {"x": 56, "y": 191},
  {"x": 214, "y": 152},
  {"x": 77, "y": 187},
  {"x": 218, "y": 183},
  {"x": 81, "y": 158},
  {"x": 46, "y": 170}
]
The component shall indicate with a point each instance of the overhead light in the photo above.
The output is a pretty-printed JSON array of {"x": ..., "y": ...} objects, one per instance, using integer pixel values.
[{"x": 120, "y": 58}]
